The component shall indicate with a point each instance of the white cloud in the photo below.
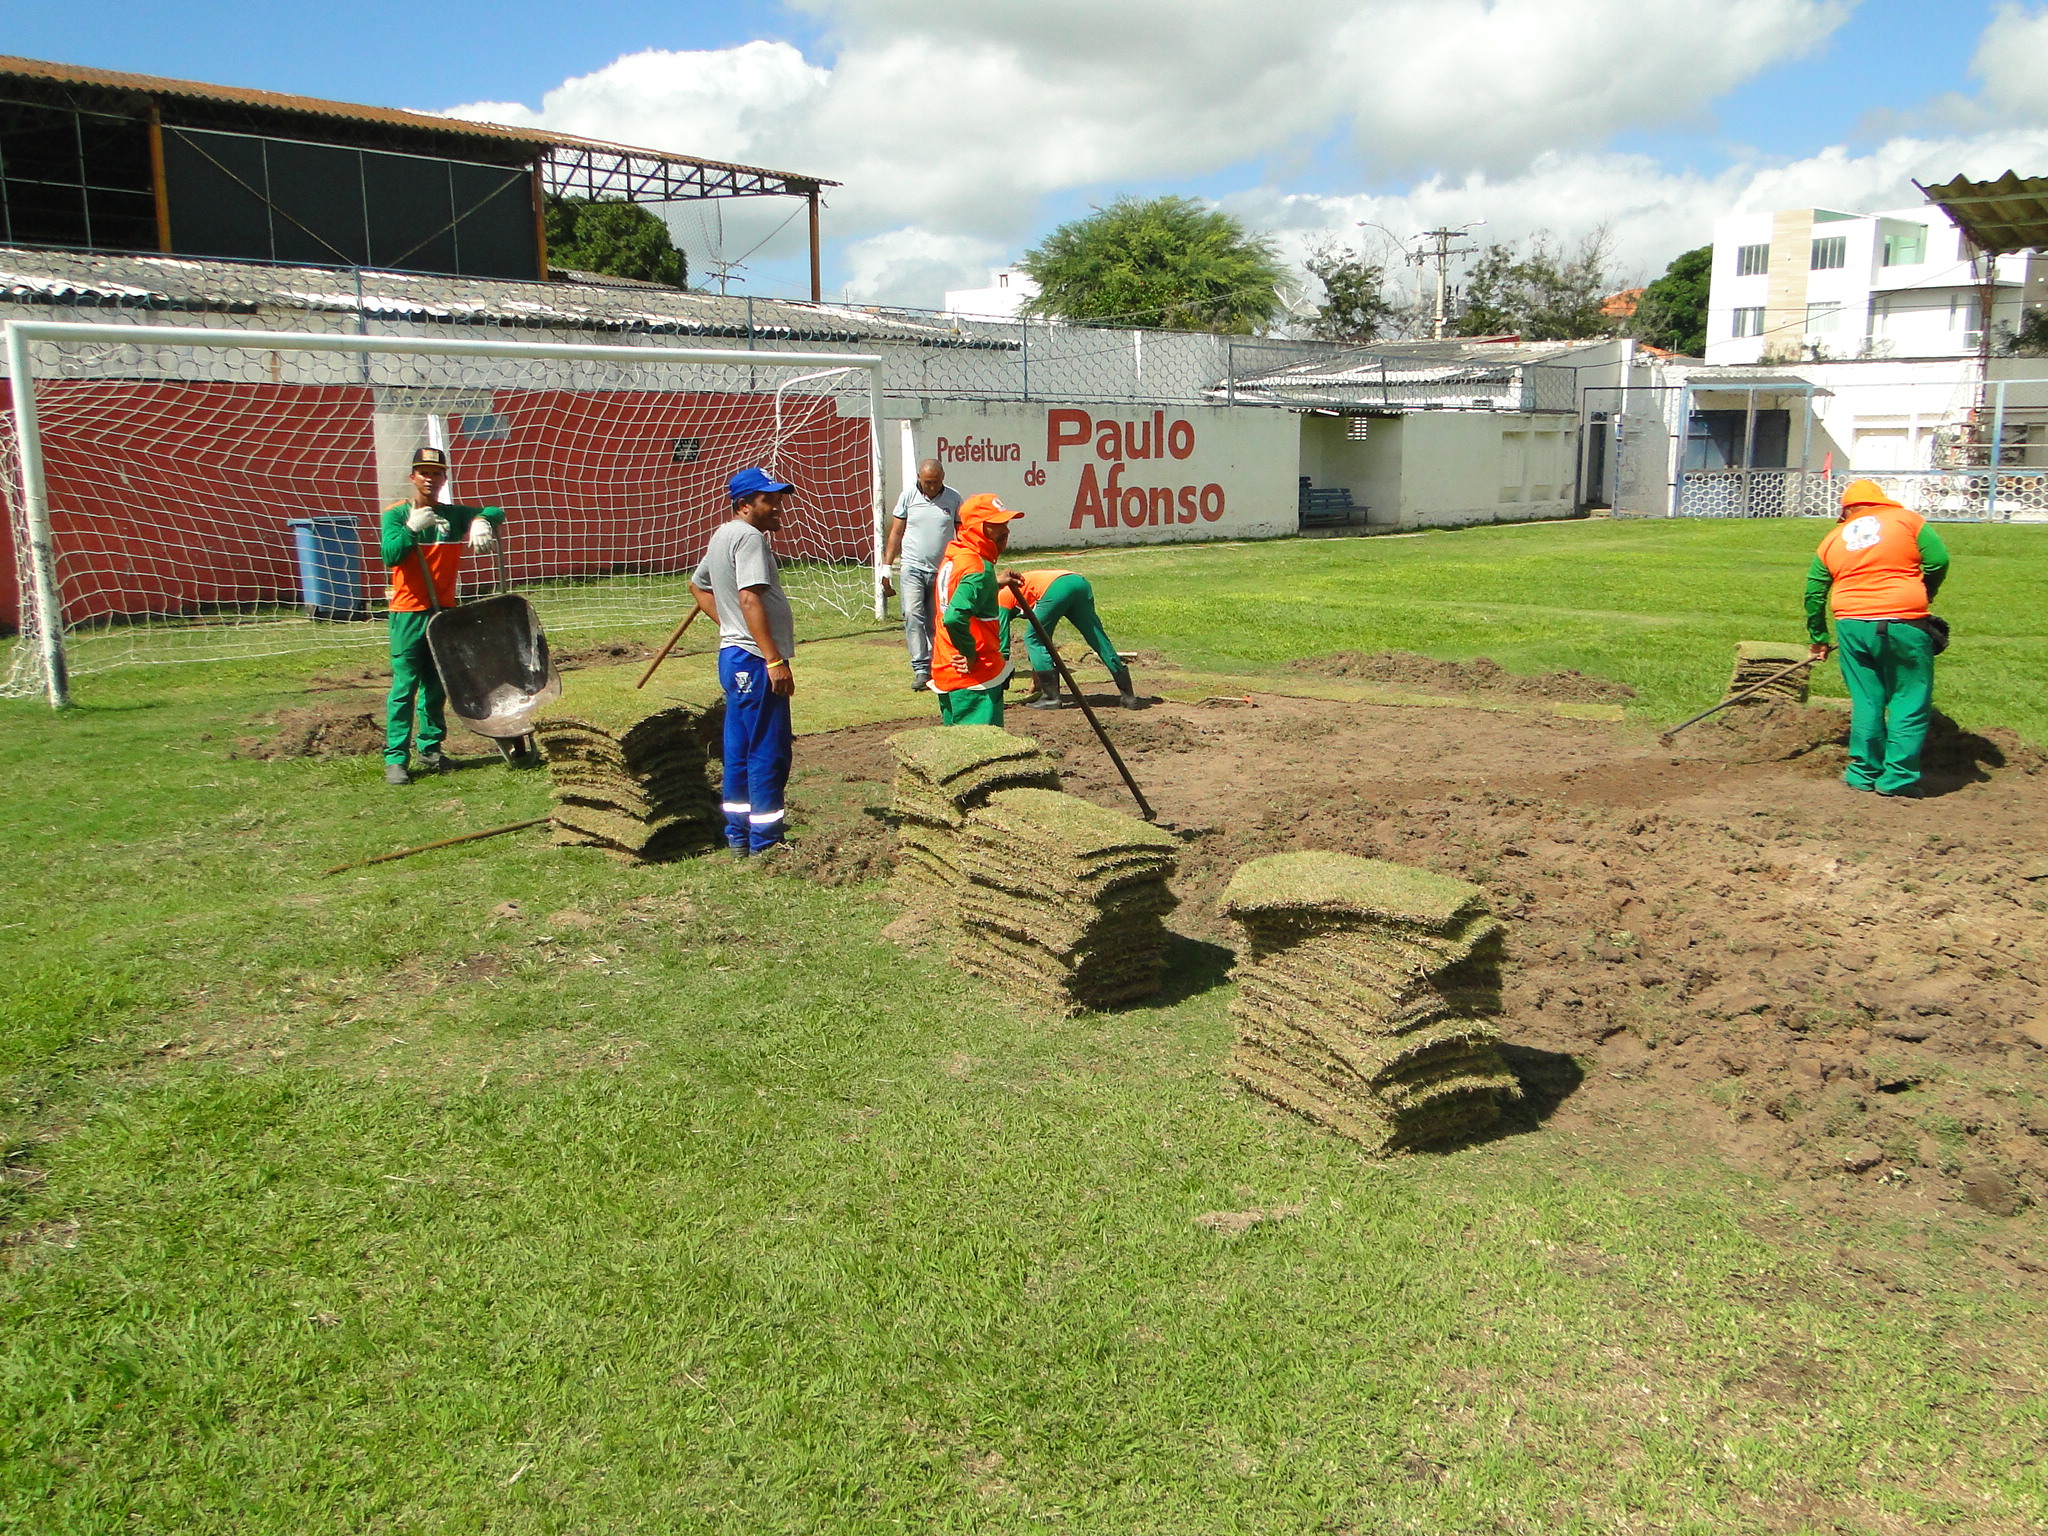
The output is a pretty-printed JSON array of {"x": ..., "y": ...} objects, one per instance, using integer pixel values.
[
  {"x": 2012, "y": 61},
  {"x": 913, "y": 266},
  {"x": 963, "y": 114}
]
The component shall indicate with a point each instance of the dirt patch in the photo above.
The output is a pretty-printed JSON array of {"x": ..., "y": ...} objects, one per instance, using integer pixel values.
[
  {"x": 1425, "y": 674},
  {"x": 1715, "y": 942},
  {"x": 352, "y": 727},
  {"x": 609, "y": 654}
]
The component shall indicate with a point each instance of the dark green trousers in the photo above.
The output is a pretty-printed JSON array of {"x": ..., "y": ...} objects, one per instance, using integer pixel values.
[
  {"x": 971, "y": 706},
  {"x": 1073, "y": 599},
  {"x": 413, "y": 677},
  {"x": 1889, "y": 667}
]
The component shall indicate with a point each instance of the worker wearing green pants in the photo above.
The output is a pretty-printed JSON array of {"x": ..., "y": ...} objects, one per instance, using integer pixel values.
[
  {"x": 1056, "y": 595},
  {"x": 423, "y": 539},
  {"x": 1880, "y": 565}
]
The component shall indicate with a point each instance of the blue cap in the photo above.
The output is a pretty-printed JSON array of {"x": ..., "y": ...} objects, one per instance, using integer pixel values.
[{"x": 754, "y": 482}]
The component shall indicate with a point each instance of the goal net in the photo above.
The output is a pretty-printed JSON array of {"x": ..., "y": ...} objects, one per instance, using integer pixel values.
[{"x": 181, "y": 494}]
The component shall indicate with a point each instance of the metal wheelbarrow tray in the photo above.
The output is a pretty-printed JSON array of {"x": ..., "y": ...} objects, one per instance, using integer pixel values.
[{"x": 493, "y": 658}]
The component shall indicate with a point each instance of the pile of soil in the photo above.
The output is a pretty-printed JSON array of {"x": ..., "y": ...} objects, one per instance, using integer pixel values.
[
  {"x": 1425, "y": 674},
  {"x": 345, "y": 728},
  {"x": 1714, "y": 941}
]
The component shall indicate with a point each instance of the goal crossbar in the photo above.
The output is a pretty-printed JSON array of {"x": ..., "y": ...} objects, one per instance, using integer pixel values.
[{"x": 43, "y": 594}]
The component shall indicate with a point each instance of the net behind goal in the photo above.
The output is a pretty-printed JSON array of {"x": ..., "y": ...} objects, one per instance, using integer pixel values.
[{"x": 183, "y": 494}]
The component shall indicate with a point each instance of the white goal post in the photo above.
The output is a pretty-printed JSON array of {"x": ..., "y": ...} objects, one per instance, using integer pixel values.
[{"x": 191, "y": 493}]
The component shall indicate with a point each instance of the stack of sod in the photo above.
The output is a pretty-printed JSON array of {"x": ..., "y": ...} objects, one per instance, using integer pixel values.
[
  {"x": 643, "y": 784},
  {"x": 1756, "y": 660},
  {"x": 942, "y": 773},
  {"x": 1063, "y": 900},
  {"x": 1362, "y": 991}
]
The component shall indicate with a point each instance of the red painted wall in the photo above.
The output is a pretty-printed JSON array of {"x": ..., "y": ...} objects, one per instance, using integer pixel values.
[{"x": 168, "y": 498}]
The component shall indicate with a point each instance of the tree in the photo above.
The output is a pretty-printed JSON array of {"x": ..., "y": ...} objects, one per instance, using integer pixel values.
[
  {"x": 1165, "y": 261},
  {"x": 1549, "y": 294},
  {"x": 1672, "y": 312},
  {"x": 622, "y": 239},
  {"x": 2030, "y": 340},
  {"x": 1355, "y": 306}
]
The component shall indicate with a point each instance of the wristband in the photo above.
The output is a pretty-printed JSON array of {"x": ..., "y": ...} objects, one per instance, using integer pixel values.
[{"x": 780, "y": 661}]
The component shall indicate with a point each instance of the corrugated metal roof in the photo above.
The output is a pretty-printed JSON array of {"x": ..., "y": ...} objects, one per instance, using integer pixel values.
[
  {"x": 2009, "y": 214},
  {"x": 312, "y": 106}
]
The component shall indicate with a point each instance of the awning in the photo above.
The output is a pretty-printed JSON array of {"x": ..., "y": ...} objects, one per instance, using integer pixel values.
[{"x": 2002, "y": 216}]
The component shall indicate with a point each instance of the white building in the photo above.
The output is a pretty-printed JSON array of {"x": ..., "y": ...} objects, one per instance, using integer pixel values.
[
  {"x": 1811, "y": 284},
  {"x": 1006, "y": 292}
]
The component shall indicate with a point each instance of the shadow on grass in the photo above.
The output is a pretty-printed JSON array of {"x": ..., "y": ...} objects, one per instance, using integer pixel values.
[
  {"x": 1193, "y": 966},
  {"x": 1548, "y": 1078}
]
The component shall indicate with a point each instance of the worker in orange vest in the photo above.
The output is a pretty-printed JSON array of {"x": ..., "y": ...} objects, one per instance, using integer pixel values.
[
  {"x": 1882, "y": 565},
  {"x": 970, "y": 641},
  {"x": 1056, "y": 595}
]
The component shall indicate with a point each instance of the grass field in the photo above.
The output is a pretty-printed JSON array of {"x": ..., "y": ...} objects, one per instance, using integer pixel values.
[{"x": 504, "y": 1190}]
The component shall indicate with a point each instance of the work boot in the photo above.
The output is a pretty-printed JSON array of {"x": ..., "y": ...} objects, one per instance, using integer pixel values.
[
  {"x": 394, "y": 773},
  {"x": 432, "y": 762},
  {"x": 920, "y": 683},
  {"x": 1122, "y": 676},
  {"x": 1045, "y": 692}
]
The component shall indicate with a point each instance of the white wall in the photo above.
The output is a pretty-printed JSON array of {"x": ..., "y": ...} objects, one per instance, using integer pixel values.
[
  {"x": 1460, "y": 467},
  {"x": 1226, "y": 473}
]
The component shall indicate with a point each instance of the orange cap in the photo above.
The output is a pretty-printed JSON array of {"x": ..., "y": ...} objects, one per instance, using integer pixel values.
[
  {"x": 1865, "y": 493},
  {"x": 986, "y": 507}
]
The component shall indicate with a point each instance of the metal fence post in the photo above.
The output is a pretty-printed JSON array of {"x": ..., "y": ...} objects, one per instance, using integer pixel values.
[{"x": 1997, "y": 447}]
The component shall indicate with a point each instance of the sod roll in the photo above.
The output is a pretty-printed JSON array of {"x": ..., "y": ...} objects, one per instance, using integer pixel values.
[
  {"x": 1061, "y": 902},
  {"x": 1364, "y": 990},
  {"x": 942, "y": 774},
  {"x": 641, "y": 784}
]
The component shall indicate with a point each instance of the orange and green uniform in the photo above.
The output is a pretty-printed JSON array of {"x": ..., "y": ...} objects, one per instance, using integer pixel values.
[
  {"x": 1880, "y": 565},
  {"x": 1056, "y": 595},
  {"x": 970, "y": 642},
  {"x": 413, "y": 676}
]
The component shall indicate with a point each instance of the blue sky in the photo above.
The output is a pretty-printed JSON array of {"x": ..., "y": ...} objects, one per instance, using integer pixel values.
[{"x": 1886, "y": 62}]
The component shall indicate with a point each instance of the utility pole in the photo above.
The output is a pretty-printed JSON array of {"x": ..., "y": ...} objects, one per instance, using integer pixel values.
[{"x": 1445, "y": 250}]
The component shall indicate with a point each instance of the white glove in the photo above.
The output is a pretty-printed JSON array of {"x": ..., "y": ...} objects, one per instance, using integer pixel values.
[
  {"x": 420, "y": 519},
  {"x": 483, "y": 538}
]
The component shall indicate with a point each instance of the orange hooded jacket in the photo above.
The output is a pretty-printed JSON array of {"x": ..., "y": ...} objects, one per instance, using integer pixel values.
[
  {"x": 1872, "y": 557},
  {"x": 964, "y": 600}
]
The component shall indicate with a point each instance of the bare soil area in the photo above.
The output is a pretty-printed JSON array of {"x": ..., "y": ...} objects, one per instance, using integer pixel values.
[
  {"x": 1425, "y": 674},
  {"x": 1714, "y": 943}
]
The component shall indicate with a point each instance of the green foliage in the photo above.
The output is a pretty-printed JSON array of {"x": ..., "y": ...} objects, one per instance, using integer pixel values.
[
  {"x": 1672, "y": 312},
  {"x": 1355, "y": 305},
  {"x": 2031, "y": 339},
  {"x": 1169, "y": 262},
  {"x": 621, "y": 239},
  {"x": 1548, "y": 294}
]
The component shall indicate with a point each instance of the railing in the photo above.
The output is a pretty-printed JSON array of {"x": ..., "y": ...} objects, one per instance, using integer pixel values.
[{"x": 1939, "y": 495}]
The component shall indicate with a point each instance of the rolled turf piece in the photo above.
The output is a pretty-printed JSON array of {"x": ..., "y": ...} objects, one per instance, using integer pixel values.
[
  {"x": 943, "y": 773},
  {"x": 1061, "y": 901},
  {"x": 1363, "y": 993},
  {"x": 641, "y": 784},
  {"x": 1756, "y": 660}
]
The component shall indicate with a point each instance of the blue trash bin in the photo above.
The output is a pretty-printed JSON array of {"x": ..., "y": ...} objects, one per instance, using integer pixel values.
[{"x": 330, "y": 567}]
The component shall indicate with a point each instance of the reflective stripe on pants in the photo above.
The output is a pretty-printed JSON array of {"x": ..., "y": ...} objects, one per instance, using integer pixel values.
[{"x": 758, "y": 746}]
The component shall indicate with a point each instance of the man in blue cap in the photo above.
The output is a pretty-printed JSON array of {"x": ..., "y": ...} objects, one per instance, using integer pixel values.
[{"x": 738, "y": 587}]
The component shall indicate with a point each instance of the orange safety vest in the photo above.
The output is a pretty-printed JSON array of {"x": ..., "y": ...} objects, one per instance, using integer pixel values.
[
  {"x": 408, "y": 594},
  {"x": 969, "y": 553},
  {"x": 1873, "y": 554},
  {"x": 1035, "y": 583}
]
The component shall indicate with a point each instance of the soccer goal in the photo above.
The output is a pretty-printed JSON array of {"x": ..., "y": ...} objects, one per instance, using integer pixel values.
[{"x": 179, "y": 493}]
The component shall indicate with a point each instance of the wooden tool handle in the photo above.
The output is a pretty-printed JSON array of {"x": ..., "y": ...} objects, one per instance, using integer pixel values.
[{"x": 662, "y": 655}]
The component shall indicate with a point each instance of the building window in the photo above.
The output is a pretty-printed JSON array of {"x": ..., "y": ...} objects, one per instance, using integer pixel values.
[
  {"x": 1823, "y": 319},
  {"x": 1750, "y": 260},
  {"x": 1830, "y": 253},
  {"x": 1905, "y": 248},
  {"x": 1749, "y": 322}
]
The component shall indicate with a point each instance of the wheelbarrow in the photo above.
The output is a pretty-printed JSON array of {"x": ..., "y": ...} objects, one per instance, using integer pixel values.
[{"x": 492, "y": 655}]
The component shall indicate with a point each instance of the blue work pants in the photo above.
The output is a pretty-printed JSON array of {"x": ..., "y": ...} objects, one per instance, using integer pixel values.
[{"x": 758, "y": 747}]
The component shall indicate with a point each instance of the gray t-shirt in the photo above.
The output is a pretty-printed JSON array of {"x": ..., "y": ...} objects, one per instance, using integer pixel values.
[
  {"x": 739, "y": 557},
  {"x": 929, "y": 523}
]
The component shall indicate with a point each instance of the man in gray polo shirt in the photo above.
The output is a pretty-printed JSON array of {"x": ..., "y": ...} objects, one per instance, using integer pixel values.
[
  {"x": 738, "y": 585},
  {"x": 927, "y": 515}
]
